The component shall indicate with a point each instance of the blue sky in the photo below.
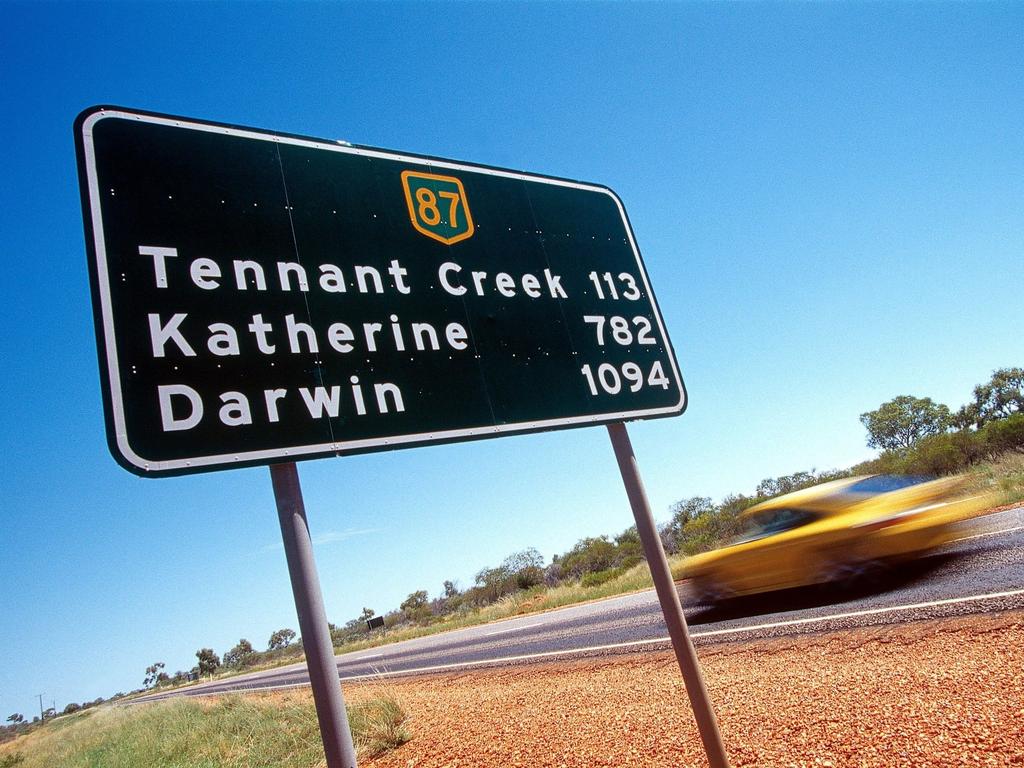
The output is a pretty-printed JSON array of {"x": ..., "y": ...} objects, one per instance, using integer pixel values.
[{"x": 829, "y": 200}]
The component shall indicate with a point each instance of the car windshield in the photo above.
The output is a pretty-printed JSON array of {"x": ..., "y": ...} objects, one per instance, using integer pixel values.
[
  {"x": 886, "y": 483},
  {"x": 774, "y": 521}
]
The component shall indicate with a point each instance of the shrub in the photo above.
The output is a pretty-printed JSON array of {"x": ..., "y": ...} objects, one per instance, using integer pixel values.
[
  {"x": 939, "y": 455},
  {"x": 589, "y": 555},
  {"x": 597, "y": 578},
  {"x": 629, "y": 562},
  {"x": 241, "y": 655},
  {"x": 378, "y": 726},
  {"x": 1005, "y": 434}
]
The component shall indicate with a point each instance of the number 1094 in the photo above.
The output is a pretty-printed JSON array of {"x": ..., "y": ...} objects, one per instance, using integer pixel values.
[{"x": 611, "y": 379}]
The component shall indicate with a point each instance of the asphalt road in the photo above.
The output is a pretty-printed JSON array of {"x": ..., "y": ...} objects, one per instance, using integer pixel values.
[{"x": 982, "y": 571}]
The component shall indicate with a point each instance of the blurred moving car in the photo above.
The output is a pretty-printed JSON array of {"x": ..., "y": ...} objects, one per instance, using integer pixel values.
[{"x": 840, "y": 531}]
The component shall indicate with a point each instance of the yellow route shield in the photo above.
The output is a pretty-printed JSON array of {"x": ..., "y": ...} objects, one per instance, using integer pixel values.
[{"x": 438, "y": 207}]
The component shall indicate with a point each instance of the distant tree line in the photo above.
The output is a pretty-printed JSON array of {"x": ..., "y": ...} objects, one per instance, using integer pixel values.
[
  {"x": 283, "y": 643},
  {"x": 19, "y": 725},
  {"x": 914, "y": 436}
]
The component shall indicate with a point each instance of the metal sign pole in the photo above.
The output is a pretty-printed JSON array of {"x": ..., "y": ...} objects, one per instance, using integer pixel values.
[
  {"x": 707, "y": 725},
  {"x": 309, "y": 603}
]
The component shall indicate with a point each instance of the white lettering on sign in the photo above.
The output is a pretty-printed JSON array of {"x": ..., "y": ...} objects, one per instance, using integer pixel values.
[
  {"x": 444, "y": 275},
  {"x": 159, "y": 266},
  {"x": 182, "y": 407},
  {"x": 205, "y": 273},
  {"x": 172, "y": 423},
  {"x": 321, "y": 400},
  {"x": 503, "y": 283},
  {"x": 243, "y": 269},
  {"x": 304, "y": 338},
  {"x": 235, "y": 411},
  {"x": 284, "y": 272},
  {"x": 171, "y": 336},
  {"x": 160, "y": 334}
]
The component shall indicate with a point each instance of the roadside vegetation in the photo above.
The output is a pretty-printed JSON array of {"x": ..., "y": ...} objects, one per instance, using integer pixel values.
[
  {"x": 984, "y": 438},
  {"x": 267, "y": 730}
]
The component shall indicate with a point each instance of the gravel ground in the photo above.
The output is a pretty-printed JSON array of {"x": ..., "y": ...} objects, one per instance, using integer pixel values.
[{"x": 948, "y": 692}]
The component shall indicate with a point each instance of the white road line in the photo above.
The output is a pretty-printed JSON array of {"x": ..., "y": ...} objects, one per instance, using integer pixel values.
[
  {"x": 364, "y": 658},
  {"x": 988, "y": 533},
  {"x": 866, "y": 612},
  {"x": 512, "y": 629},
  {"x": 652, "y": 640}
]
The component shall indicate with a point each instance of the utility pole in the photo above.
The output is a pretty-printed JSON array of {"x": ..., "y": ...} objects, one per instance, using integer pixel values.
[{"x": 42, "y": 715}]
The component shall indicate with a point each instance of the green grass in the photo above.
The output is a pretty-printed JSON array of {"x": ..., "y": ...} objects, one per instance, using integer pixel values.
[{"x": 264, "y": 731}]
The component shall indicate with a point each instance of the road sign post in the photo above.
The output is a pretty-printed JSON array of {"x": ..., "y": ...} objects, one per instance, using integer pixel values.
[
  {"x": 665, "y": 586},
  {"x": 309, "y": 604}
]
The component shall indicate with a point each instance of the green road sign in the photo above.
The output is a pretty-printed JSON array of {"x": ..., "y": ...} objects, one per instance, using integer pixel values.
[{"x": 264, "y": 297}]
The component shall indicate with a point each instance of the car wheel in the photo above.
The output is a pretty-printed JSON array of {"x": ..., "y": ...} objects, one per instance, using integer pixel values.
[
  {"x": 707, "y": 592},
  {"x": 849, "y": 575}
]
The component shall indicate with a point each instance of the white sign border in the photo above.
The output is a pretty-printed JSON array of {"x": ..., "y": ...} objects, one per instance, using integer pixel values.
[{"x": 200, "y": 463}]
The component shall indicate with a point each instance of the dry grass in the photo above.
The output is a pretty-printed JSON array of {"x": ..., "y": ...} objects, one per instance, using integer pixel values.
[
  {"x": 257, "y": 731},
  {"x": 1003, "y": 475}
]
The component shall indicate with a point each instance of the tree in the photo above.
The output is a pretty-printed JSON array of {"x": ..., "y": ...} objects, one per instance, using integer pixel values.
[
  {"x": 776, "y": 486},
  {"x": 71, "y": 708},
  {"x": 686, "y": 510},
  {"x": 240, "y": 655},
  {"x": 901, "y": 422},
  {"x": 153, "y": 675},
  {"x": 526, "y": 567},
  {"x": 451, "y": 590},
  {"x": 282, "y": 638},
  {"x": 589, "y": 555},
  {"x": 999, "y": 397},
  {"x": 1004, "y": 434},
  {"x": 17, "y": 718},
  {"x": 628, "y": 549},
  {"x": 415, "y": 606},
  {"x": 683, "y": 511},
  {"x": 491, "y": 584},
  {"x": 367, "y": 614},
  {"x": 209, "y": 662},
  {"x": 414, "y": 601}
]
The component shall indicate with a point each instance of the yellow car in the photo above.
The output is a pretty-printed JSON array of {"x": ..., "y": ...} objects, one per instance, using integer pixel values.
[{"x": 834, "y": 532}]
